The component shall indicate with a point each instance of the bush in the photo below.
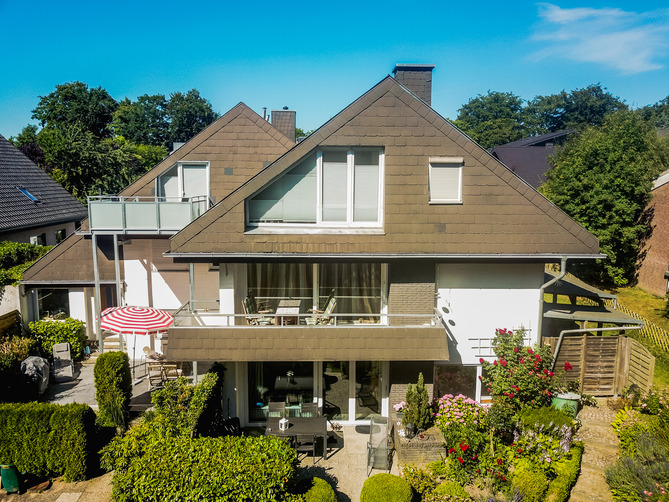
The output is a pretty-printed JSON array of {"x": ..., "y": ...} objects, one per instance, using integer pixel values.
[
  {"x": 226, "y": 469},
  {"x": 13, "y": 386},
  {"x": 418, "y": 409},
  {"x": 421, "y": 481},
  {"x": 49, "y": 333},
  {"x": 48, "y": 439},
  {"x": 15, "y": 258},
  {"x": 321, "y": 491},
  {"x": 528, "y": 482},
  {"x": 383, "y": 487},
  {"x": 447, "y": 491},
  {"x": 113, "y": 389},
  {"x": 567, "y": 472}
]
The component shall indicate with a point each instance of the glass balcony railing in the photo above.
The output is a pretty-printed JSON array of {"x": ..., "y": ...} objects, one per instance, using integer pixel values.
[{"x": 160, "y": 215}]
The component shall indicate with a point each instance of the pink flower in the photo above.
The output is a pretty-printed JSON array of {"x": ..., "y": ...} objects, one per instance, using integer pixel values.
[
  {"x": 503, "y": 363},
  {"x": 481, "y": 360},
  {"x": 548, "y": 459},
  {"x": 567, "y": 366}
]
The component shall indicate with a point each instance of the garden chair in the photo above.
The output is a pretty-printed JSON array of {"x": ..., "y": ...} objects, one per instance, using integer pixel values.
[
  {"x": 276, "y": 409},
  {"x": 325, "y": 316},
  {"x": 305, "y": 443},
  {"x": 378, "y": 446},
  {"x": 156, "y": 376},
  {"x": 309, "y": 410},
  {"x": 253, "y": 316}
]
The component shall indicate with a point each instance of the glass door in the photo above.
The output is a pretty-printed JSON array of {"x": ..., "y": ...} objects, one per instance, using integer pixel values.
[
  {"x": 368, "y": 389},
  {"x": 336, "y": 377}
]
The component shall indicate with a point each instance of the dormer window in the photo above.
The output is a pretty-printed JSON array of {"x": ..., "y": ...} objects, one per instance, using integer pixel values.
[
  {"x": 333, "y": 187},
  {"x": 184, "y": 181}
]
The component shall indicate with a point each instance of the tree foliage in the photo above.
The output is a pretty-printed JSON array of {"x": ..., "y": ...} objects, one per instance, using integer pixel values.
[
  {"x": 73, "y": 104},
  {"x": 189, "y": 114},
  {"x": 602, "y": 178},
  {"x": 657, "y": 115},
  {"x": 143, "y": 122}
]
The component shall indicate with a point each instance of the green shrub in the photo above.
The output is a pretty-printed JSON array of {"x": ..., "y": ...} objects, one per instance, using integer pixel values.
[
  {"x": 226, "y": 469},
  {"x": 420, "y": 480},
  {"x": 418, "y": 409},
  {"x": 446, "y": 492},
  {"x": 567, "y": 472},
  {"x": 113, "y": 388},
  {"x": 530, "y": 483},
  {"x": 383, "y": 487},
  {"x": 13, "y": 386},
  {"x": 49, "y": 333},
  {"x": 15, "y": 258},
  {"x": 320, "y": 491},
  {"x": 545, "y": 419},
  {"x": 48, "y": 439}
]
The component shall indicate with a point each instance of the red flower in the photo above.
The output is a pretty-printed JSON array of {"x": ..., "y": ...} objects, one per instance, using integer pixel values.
[
  {"x": 515, "y": 349},
  {"x": 464, "y": 447},
  {"x": 520, "y": 450},
  {"x": 522, "y": 360},
  {"x": 545, "y": 371},
  {"x": 503, "y": 363},
  {"x": 451, "y": 450},
  {"x": 460, "y": 460},
  {"x": 511, "y": 394},
  {"x": 481, "y": 360},
  {"x": 503, "y": 478},
  {"x": 495, "y": 362},
  {"x": 475, "y": 456},
  {"x": 567, "y": 366},
  {"x": 550, "y": 373},
  {"x": 499, "y": 461},
  {"x": 530, "y": 351}
]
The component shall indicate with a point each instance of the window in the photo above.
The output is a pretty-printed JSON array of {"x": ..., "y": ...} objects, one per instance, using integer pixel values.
[
  {"x": 330, "y": 187},
  {"x": 446, "y": 180},
  {"x": 60, "y": 235},
  {"x": 25, "y": 192},
  {"x": 184, "y": 181},
  {"x": 38, "y": 240}
]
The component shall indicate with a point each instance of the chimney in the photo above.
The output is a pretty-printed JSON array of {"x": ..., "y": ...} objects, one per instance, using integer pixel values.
[
  {"x": 417, "y": 78},
  {"x": 284, "y": 121}
]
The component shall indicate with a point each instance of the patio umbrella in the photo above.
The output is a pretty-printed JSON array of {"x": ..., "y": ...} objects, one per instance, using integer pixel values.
[{"x": 136, "y": 320}]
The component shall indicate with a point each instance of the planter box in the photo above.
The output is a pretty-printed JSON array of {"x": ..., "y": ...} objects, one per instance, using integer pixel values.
[{"x": 417, "y": 451}]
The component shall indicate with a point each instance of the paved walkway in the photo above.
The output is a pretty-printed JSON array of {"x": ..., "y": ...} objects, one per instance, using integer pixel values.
[{"x": 601, "y": 451}]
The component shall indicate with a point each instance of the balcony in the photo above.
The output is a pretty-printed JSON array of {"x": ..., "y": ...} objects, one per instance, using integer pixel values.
[
  {"x": 206, "y": 334},
  {"x": 110, "y": 214}
]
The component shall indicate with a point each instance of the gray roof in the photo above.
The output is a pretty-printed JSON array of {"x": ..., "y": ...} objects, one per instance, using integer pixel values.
[{"x": 55, "y": 204}]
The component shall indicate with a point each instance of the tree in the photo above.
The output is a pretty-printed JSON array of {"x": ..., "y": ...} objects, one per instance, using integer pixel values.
[
  {"x": 657, "y": 115},
  {"x": 575, "y": 110},
  {"x": 189, "y": 114},
  {"x": 74, "y": 103},
  {"x": 602, "y": 178},
  {"x": 143, "y": 122},
  {"x": 493, "y": 119},
  {"x": 28, "y": 143}
]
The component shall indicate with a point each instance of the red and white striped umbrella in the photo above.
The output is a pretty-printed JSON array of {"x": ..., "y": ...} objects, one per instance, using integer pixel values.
[{"x": 135, "y": 320}]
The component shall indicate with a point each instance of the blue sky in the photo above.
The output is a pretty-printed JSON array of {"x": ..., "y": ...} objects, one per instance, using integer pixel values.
[{"x": 318, "y": 57}]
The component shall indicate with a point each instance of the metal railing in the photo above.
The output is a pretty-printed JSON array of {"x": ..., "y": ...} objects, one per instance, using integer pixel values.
[{"x": 113, "y": 213}]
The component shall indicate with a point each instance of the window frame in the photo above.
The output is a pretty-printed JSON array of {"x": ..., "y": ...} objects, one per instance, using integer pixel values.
[
  {"x": 450, "y": 162},
  {"x": 180, "y": 178}
]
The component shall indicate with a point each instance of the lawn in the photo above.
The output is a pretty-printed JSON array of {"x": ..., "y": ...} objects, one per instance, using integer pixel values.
[{"x": 651, "y": 307}]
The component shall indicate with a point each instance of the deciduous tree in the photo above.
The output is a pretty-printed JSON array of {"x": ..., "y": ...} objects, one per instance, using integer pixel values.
[
  {"x": 189, "y": 114},
  {"x": 143, "y": 122}
]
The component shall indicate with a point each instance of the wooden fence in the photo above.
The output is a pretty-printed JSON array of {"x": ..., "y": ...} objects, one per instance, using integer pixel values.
[
  {"x": 605, "y": 365},
  {"x": 650, "y": 331},
  {"x": 7, "y": 321}
]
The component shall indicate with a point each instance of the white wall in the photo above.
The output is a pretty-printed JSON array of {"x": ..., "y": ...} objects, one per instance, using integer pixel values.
[
  {"x": 479, "y": 298},
  {"x": 50, "y": 231},
  {"x": 9, "y": 299}
]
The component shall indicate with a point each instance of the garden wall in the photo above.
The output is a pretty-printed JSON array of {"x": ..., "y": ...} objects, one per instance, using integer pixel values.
[{"x": 417, "y": 451}]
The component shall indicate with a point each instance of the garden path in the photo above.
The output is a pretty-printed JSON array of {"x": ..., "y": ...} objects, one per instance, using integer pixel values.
[{"x": 601, "y": 451}]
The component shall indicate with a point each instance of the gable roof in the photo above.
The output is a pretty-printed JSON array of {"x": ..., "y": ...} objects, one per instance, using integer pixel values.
[
  {"x": 17, "y": 210},
  {"x": 528, "y": 157},
  {"x": 501, "y": 215}
]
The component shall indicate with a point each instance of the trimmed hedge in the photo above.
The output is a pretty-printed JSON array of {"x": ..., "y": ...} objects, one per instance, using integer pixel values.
[
  {"x": 113, "y": 388},
  {"x": 383, "y": 487},
  {"x": 567, "y": 474},
  {"x": 225, "y": 469},
  {"x": 320, "y": 491},
  {"x": 49, "y": 333},
  {"x": 48, "y": 439}
]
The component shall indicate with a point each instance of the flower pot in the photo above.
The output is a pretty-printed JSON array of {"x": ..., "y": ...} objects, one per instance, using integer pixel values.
[
  {"x": 568, "y": 402},
  {"x": 10, "y": 478}
]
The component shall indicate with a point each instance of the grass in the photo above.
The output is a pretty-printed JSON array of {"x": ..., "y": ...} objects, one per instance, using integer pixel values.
[{"x": 652, "y": 308}]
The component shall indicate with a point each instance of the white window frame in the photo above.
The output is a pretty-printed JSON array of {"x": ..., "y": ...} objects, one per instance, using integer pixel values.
[
  {"x": 180, "y": 176},
  {"x": 446, "y": 163}
]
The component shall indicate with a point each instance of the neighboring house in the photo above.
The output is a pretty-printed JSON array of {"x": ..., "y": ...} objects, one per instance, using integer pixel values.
[
  {"x": 422, "y": 241},
  {"x": 654, "y": 263},
  {"x": 528, "y": 157},
  {"x": 34, "y": 208}
]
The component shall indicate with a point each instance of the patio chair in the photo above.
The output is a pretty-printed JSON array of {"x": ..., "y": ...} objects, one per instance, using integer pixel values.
[
  {"x": 253, "y": 317},
  {"x": 309, "y": 410},
  {"x": 156, "y": 378},
  {"x": 259, "y": 308},
  {"x": 305, "y": 443},
  {"x": 325, "y": 316},
  {"x": 378, "y": 446},
  {"x": 276, "y": 409}
]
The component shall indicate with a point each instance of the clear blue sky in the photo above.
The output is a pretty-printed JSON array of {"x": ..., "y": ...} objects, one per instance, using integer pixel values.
[{"x": 317, "y": 57}]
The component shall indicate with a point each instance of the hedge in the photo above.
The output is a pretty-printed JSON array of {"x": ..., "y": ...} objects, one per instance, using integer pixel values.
[
  {"x": 13, "y": 385},
  {"x": 183, "y": 468},
  {"x": 320, "y": 491},
  {"x": 49, "y": 333},
  {"x": 48, "y": 439},
  {"x": 567, "y": 474},
  {"x": 383, "y": 487},
  {"x": 113, "y": 388}
]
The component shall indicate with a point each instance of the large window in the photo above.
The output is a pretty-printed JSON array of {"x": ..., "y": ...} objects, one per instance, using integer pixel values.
[
  {"x": 446, "y": 180},
  {"x": 330, "y": 187},
  {"x": 183, "y": 181},
  {"x": 287, "y": 383}
]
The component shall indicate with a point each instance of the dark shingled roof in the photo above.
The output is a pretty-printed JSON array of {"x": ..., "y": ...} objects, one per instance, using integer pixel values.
[
  {"x": 17, "y": 211},
  {"x": 528, "y": 157}
]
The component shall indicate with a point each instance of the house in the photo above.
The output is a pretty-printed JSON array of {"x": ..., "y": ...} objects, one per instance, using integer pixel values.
[
  {"x": 528, "y": 157},
  {"x": 415, "y": 242},
  {"x": 653, "y": 269},
  {"x": 34, "y": 209}
]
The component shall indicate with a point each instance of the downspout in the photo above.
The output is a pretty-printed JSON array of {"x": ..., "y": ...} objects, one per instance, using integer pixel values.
[
  {"x": 563, "y": 272},
  {"x": 584, "y": 330}
]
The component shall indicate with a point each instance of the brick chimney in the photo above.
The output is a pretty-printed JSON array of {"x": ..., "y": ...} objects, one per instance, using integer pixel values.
[
  {"x": 284, "y": 121},
  {"x": 417, "y": 78}
]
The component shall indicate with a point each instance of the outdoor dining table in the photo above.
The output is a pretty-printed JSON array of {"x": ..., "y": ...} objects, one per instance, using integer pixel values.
[
  {"x": 313, "y": 426},
  {"x": 288, "y": 312}
]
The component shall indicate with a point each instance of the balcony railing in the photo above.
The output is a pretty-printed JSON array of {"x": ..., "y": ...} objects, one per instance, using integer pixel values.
[{"x": 143, "y": 215}]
